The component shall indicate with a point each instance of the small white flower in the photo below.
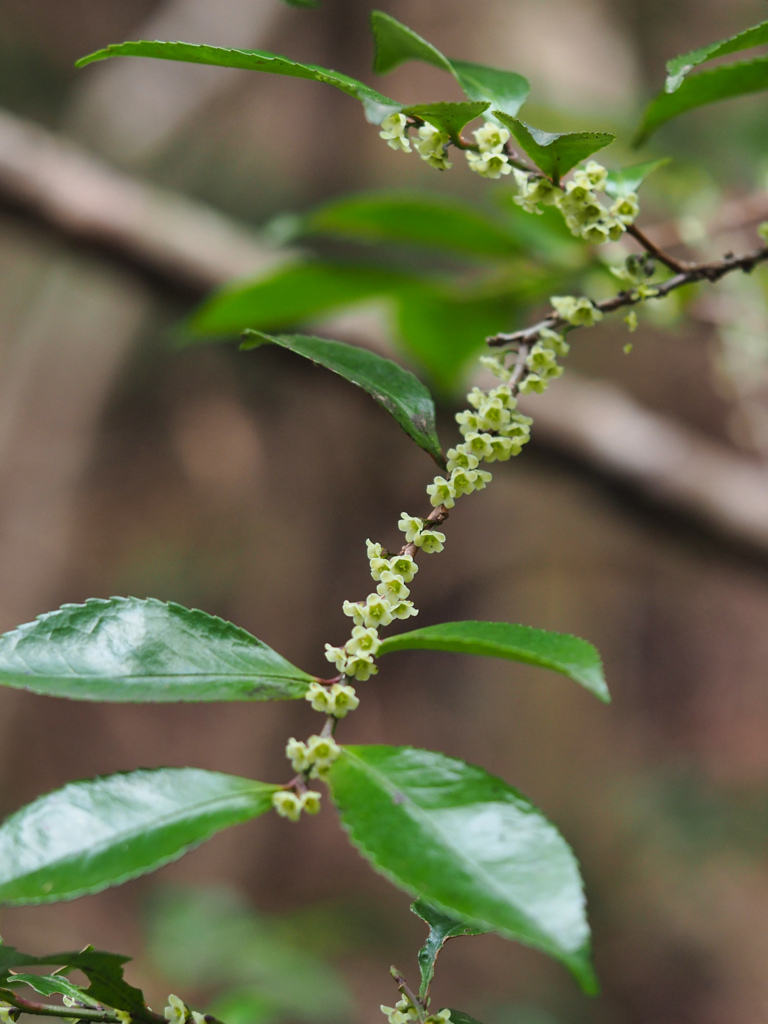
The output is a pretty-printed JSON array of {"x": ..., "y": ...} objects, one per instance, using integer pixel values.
[
  {"x": 297, "y": 754},
  {"x": 318, "y": 696},
  {"x": 287, "y": 805},
  {"x": 441, "y": 493},
  {"x": 410, "y": 526},
  {"x": 431, "y": 145},
  {"x": 364, "y": 639},
  {"x": 395, "y": 131},
  {"x": 310, "y": 802},
  {"x": 344, "y": 697},
  {"x": 430, "y": 541}
]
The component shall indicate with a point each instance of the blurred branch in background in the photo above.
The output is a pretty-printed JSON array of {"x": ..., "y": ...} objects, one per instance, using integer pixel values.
[
  {"x": 113, "y": 105},
  {"x": 189, "y": 248}
]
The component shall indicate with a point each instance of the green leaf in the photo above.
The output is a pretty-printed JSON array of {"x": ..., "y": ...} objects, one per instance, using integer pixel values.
[
  {"x": 395, "y": 389},
  {"x": 302, "y": 3},
  {"x": 130, "y": 650},
  {"x": 101, "y": 832},
  {"x": 447, "y": 117},
  {"x": 561, "y": 652},
  {"x": 442, "y": 927},
  {"x": 678, "y": 67},
  {"x": 377, "y": 106},
  {"x": 721, "y": 83},
  {"x": 506, "y": 90},
  {"x": 52, "y": 984},
  {"x": 459, "y": 1017},
  {"x": 395, "y": 44},
  {"x": 290, "y": 295},
  {"x": 104, "y": 971},
  {"x": 629, "y": 179},
  {"x": 440, "y": 222},
  {"x": 467, "y": 842},
  {"x": 555, "y": 153}
]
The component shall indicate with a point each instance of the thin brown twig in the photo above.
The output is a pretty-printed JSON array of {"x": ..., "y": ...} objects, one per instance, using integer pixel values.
[
  {"x": 658, "y": 254},
  {"x": 698, "y": 272}
]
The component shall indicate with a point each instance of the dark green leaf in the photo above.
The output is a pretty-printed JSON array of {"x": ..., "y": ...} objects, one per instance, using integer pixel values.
[
  {"x": 442, "y": 927},
  {"x": 377, "y": 107},
  {"x": 459, "y": 1017},
  {"x": 466, "y": 841},
  {"x": 553, "y": 153},
  {"x": 447, "y": 117},
  {"x": 506, "y": 90},
  {"x": 395, "y": 44},
  {"x": 291, "y": 295},
  {"x": 130, "y": 650},
  {"x": 629, "y": 179},
  {"x": 104, "y": 972},
  {"x": 721, "y": 83},
  {"x": 678, "y": 67},
  {"x": 302, "y": 3},
  {"x": 101, "y": 832},
  {"x": 397, "y": 390},
  {"x": 441, "y": 222},
  {"x": 561, "y": 652}
]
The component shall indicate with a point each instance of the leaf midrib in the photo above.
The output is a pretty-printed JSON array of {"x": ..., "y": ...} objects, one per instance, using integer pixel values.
[
  {"x": 437, "y": 831},
  {"x": 163, "y": 822}
]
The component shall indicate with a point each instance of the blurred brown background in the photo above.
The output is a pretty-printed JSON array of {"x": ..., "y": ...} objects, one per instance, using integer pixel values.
[{"x": 247, "y": 484}]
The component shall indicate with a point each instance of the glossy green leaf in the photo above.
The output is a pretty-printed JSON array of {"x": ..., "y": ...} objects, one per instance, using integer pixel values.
[
  {"x": 560, "y": 652},
  {"x": 678, "y": 67},
  {"x": 102, "y": 832},
  {"x": 629, "y": 179},
  {"x": 104, "y": 972},
  {"x": 302, "y": 3},
  {"x": 397, "y": 390},
  {"x": 439, "y": 222},
  {"x": 447, "y": 117},
  {"x": 467, "y": 842},
  {"x": 377, "y": 106},
  {"x": 555, "y": 153},
  {"x": 291, "y": 295},
  {"x": 395, "y": 44},
  {"x": 129, "y": 650},
  {"x": 721, "y": 83},
  {"x": 442, "y": 927}
]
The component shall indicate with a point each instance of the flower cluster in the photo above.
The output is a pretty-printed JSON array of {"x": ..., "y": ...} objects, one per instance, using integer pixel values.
[
  {"x": 404, "y": 1012},
  {"x": 579, "y": 203},
  {"x": 636, "y": 271},
  {"x": 430, "y": 142},
  {"x": 314, "y": 757},
  {"x": 490, "y": 160},
  {"x": 336, "y": 700},
  {"x": 493, "y": 431},
  {"x": 290, "y": 805},
  {"x": 580, "y": 312}
]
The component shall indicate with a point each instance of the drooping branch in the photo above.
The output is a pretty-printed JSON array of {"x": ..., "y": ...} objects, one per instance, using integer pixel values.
[{"x": 630, "y": 297}]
